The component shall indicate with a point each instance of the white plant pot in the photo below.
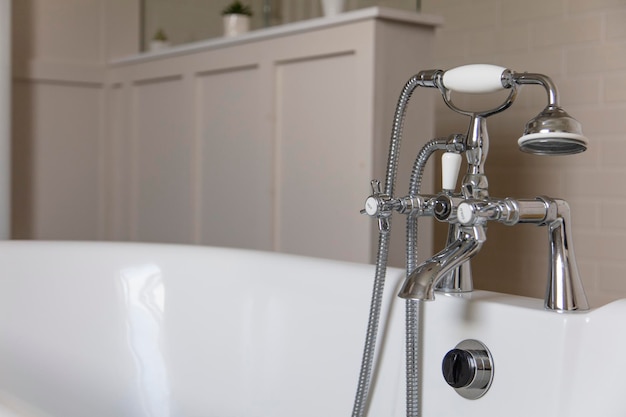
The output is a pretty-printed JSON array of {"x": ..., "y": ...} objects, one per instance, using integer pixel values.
[
  {"x": 332, "y": 7},
  {"x": 236, "y": 24},
  {"x": 158, "y": 45}
]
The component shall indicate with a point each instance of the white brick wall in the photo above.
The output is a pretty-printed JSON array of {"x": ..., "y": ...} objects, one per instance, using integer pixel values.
[{"x": 581, "y": 44}]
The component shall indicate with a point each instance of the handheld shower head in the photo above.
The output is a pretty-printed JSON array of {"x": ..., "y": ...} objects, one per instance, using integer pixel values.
[{"x": 553, "y": 132}]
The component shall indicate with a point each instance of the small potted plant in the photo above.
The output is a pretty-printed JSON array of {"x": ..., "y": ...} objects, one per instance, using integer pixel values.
[
  {"x": 159, "y": 41},
  {"x": 236, "y": 18}
]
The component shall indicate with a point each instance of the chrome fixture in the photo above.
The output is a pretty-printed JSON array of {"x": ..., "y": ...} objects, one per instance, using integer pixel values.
[
  {"x": 551, "y": 132},
  {"x": 468, "y": 368}
]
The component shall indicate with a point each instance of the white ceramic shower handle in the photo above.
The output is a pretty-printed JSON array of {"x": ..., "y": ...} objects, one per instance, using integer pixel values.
[
  {"x": 474, "y": 78},
  {"x": 450, "y": 166}
]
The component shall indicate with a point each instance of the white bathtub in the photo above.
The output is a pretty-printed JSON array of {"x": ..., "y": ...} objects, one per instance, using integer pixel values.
[{"x": 103, "y": 330}]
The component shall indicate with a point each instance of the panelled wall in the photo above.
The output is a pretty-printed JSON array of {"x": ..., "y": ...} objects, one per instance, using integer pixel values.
[
  {"x": 268, "y": 143},
  {"x": 56, "y": 159},
  {"x": 60, "y": 52},
  {"x": 85, "y": 147}
]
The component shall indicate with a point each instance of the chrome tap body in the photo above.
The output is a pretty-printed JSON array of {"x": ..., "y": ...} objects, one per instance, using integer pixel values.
[
  {"x": 469, "y": 211},
  {"x": 564, "y": 289},
  {"x": 551, "y": 132},
  {"x": 421, "y": 283}
]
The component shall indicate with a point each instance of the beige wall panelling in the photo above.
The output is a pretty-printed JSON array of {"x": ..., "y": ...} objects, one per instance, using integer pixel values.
[
  {"x": 58, "y": 77},
  {"x": 116, "y": 164},
  {"x": 324, "y": 146},
  {"x": 286, "y": 131},
  {"x": 323, "y": 160},
  {"x": 62, "y": 46},
  {"x": 227, "y": 183},
  {"x": 336, "y": 96},
  {"x": 236, "y": 156},
  {"x": 65, "y": 158},
  {"x": 161, "y": 161},
  {"x": 60, "y": 52}
]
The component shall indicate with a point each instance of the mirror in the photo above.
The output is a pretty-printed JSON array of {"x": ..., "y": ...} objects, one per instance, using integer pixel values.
[{"x": 186, "y": 21}]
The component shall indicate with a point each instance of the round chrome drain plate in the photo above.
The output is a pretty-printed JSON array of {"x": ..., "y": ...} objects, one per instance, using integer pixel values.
[{"x": 468, "y": 368}]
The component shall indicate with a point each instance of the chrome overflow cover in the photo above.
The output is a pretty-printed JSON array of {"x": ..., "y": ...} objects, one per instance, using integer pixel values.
[{"x": 468, "y": 368}]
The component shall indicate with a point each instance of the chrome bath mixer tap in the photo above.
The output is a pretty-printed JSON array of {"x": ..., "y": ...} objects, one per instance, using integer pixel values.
[{"x": 551, "y": 132}]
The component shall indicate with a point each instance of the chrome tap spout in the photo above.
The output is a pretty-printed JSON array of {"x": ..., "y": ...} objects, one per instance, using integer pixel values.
[
  {"x": 458, "y": 280},
  {"x": 565, "y": 289},
  {"x": 421, "y": 283}
]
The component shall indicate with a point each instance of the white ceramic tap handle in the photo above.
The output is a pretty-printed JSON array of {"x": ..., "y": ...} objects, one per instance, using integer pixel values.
[
  {"x": 474, "y": 78},
  {"x": 450, "y": 166}
]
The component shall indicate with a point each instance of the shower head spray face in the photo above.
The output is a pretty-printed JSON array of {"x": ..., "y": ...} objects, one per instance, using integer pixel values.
[{"x": 553, "y": 132}]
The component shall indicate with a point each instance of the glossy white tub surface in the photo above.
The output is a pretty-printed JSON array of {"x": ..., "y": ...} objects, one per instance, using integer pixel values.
[{"x": 142, "y": 330}]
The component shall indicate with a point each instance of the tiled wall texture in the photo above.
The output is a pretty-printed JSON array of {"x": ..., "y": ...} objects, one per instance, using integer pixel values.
[{"x": 581, "y": 45}]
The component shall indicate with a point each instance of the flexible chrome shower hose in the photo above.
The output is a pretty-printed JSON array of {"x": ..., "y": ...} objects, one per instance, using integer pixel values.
[
  {"x": 413, "y": 307},
  {"x": 396, "y": 133},
  {"x": 363, "y": 387},
  {"x": 413, "y": 345},
  {"x": 415, "y": 185}
]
